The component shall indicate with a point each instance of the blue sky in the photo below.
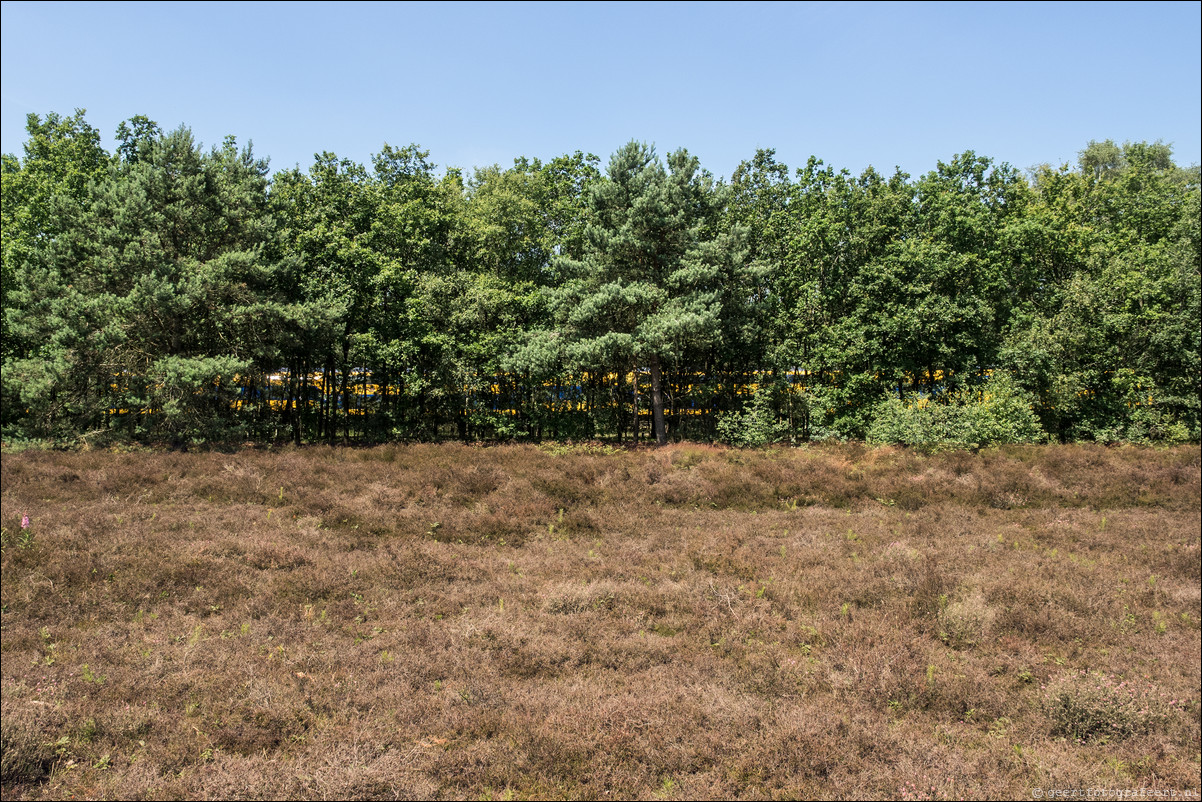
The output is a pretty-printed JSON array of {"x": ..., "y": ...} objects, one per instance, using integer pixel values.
[{"x": 886, "y": 85}]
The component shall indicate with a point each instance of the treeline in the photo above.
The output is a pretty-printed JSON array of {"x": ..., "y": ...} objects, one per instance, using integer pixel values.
[{"x": 168, "y": 293}]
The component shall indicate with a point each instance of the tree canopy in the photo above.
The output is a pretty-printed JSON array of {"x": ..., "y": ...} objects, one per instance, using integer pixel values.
[{"x": 173, "y": 294}]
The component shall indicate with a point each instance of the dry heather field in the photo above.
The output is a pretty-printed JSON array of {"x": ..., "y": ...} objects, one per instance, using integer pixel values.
[{"x": 446, "y": 621}]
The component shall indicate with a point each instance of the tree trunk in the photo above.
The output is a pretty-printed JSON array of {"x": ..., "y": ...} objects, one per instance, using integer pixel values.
[
  {"x": 296, "y": 391},
  {"x": 461, "y": 418},
  {"x": 657, "y": 402},
  {"x": 635, "y": 384},
  {"x": 330, "y": 389},
  {"x": 346, "y": 391}
]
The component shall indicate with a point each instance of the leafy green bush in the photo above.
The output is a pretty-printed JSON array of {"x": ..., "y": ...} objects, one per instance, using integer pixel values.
[
  {"x": 1153, "y": 415},
  {"x": 757, "y": 425},
  {"x": 1001, "y": 412}
]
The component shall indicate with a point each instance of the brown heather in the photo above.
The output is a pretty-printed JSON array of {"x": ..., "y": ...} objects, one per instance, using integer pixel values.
[{"x": 514, "y": 622}]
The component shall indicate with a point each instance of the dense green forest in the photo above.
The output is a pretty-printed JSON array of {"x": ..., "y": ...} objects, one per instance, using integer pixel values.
[{"x": 166, "y": 293}]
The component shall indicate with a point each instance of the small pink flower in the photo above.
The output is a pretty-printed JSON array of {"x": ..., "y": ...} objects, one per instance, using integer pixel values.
[{"x": 25, "y": 521}]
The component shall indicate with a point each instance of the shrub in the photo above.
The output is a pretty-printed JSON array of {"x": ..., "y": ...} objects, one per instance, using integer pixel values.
[
  {"x": 1094, "y": 706},
  {"x": 999, "y": 413},
  {"x": 757, "y": 425},
  {"x": 1152, "y": 424}
]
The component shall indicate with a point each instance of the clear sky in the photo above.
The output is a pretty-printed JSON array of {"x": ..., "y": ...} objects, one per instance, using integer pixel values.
[{"x": 856, "y": 84}]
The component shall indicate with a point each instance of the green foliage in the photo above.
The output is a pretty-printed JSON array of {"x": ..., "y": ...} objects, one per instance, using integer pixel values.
[
  {"x": 756, "y": 425},
  {"x": 645, "y": 291},
  {"x": 1111, "y": 343},
  {"x": 999, "y": 412},
  {"x": 62, "y": 158},
  {"x": 153, "y": 302},
  {"x": 151, "y": 294}
]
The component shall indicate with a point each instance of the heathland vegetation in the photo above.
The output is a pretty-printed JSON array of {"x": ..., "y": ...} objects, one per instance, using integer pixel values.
[
  {"x": 546, "y": 619},
  {"x": 166, "y": 293},
  {"x": 695, "y": 622}
]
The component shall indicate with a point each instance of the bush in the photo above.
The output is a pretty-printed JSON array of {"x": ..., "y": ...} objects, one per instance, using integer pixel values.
[
  {"x": 757, "y": 425},
  {"x": 1095, "y": 706},
  {"x": 1151, "y": 423},
  {"x": 999, "y": 413}
]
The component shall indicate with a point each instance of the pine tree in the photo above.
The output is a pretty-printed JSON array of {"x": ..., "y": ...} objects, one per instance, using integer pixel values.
[
  {"x": 62, "y": 157},
  {"x": 647, "y": 289},
  {"x": 158, "y": 295}
]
